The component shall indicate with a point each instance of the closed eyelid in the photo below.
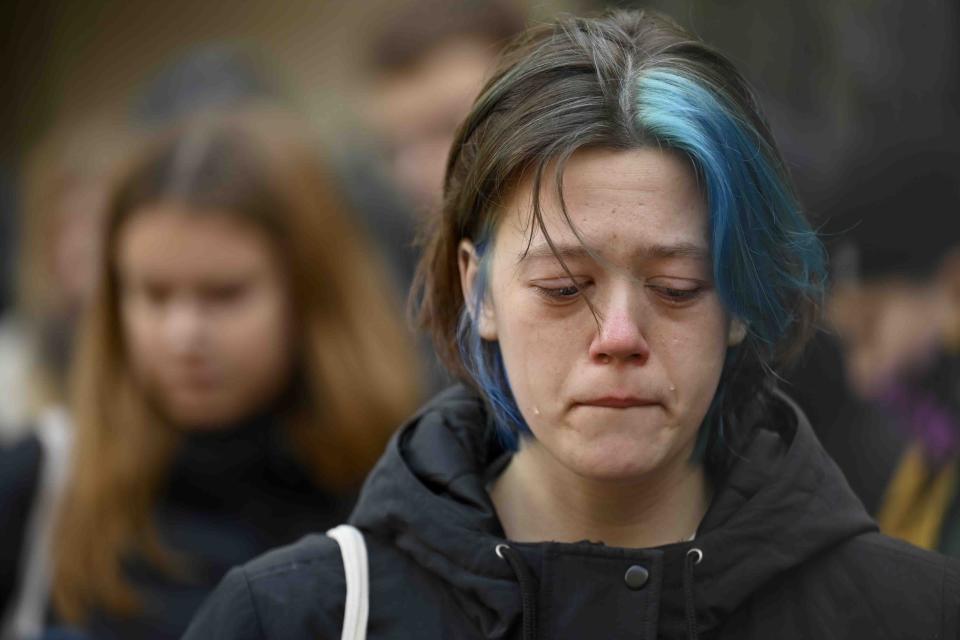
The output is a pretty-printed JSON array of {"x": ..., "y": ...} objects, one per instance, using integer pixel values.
[
  {"x": 545, "y": 268},
  {"x": 677, "y": 283},
  {"x": 560, "y": 279},
  {"x": 679, "y": 295},
  {"x": 685, "y": 270},
  {"x": 679, "y": 276}
]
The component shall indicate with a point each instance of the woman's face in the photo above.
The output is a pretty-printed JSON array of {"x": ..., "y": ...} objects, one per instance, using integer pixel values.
[
  {"x": 625, "y": 399},
  {"x": 206, "y": 314}
]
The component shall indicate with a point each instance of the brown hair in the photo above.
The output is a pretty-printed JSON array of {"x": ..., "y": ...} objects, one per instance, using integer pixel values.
[{"x": 356, "y": 365}]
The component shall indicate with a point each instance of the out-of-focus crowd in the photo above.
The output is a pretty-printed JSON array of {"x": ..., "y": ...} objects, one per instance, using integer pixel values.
[{"x": 205, "y": 349}]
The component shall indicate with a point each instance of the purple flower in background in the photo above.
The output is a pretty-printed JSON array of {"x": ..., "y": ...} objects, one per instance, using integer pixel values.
[{"x": 925, "y": 419}]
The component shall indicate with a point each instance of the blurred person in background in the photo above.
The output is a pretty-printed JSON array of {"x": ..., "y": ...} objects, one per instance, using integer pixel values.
[
  {"x": 901, "y": 337},
  {"x": 212, "y": 76},
  {"x": 620, "y": 268},
  {"x": 64, "y": 189},
  {"x": 896, "y": 309},
  {"x": 427, "y": 61},
  {"x": 239, "y": 369}
]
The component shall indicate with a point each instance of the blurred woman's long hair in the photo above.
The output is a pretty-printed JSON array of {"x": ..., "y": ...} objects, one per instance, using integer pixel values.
[{"x": 355, "y": 372}]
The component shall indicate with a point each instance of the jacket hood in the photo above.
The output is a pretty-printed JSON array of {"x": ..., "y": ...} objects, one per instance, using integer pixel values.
[{"x": 781, "y": 502}]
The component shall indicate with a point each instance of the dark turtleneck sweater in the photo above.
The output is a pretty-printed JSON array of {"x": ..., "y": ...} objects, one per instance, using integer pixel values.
[{"x": 231, "y": 495}]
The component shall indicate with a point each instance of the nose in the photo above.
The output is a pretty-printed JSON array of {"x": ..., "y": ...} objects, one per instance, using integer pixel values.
[
  {"x": 184, "y": 327},
  {"x": 620, "y": 337}
]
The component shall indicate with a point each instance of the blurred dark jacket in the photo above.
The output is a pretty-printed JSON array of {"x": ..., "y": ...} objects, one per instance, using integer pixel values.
[{"x": 231, "y": 495}]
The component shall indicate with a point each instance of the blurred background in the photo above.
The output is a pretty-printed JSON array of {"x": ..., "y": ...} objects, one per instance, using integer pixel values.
[{"x": 863, "y": 96}]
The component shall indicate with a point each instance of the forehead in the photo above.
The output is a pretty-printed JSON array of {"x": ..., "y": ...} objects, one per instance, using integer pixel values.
[
  {"x": 618, "y": 201},
  {"x": 168, "y": 240}
]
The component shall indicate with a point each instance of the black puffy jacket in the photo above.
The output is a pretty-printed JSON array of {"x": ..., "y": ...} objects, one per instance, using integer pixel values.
[{"x": 785, "y": 550}]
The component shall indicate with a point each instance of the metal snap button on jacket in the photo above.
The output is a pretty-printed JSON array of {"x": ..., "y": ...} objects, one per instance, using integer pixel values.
[{"x": 636, "y": 576}]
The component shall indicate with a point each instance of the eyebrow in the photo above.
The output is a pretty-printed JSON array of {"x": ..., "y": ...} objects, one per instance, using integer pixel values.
[{"x": 655, "y": 251}]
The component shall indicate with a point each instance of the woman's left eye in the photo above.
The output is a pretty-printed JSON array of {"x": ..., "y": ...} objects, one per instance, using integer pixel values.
[
  {"x": 673, "y": 294},
  {"x": 225, "y": 293}
]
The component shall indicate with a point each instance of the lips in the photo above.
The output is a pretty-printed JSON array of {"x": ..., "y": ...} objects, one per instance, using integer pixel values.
[
  {"x": 193, "y": 381},
  {"x": 619, "y": 402}
]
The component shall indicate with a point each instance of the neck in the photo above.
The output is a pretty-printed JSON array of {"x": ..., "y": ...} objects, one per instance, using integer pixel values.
[{"x": 538, "y": 499}]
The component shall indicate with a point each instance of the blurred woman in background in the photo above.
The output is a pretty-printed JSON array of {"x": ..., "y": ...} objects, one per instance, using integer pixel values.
[{"x": 238, "y": 372}]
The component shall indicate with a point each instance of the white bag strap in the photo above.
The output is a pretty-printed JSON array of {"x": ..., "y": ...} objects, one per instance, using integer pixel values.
[
  {"x": 357, "y": 606},
  {"x": 25, "y": 618}
]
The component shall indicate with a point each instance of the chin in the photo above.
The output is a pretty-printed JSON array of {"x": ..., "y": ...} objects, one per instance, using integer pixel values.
[
  {"x": 201, "y": 417},
  {"x": 614, "y": 460}
]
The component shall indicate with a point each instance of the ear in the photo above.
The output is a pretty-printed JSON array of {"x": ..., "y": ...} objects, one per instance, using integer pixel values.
[
  {"x": 738, "y": 331},
  {"x": 483, "y": 317}
]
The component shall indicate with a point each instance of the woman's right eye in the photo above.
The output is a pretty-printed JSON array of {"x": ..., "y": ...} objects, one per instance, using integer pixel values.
[
  {"x": 155, "y": 294},
  {"x": 562, "y": 292},
  {"x": 567, "y": 290}
]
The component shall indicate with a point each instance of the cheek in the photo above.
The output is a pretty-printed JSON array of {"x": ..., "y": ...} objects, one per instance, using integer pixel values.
[
  {"x": 254, "y": 341},
  {"x": 685, "y": 347},
  {"x": 693, "y": 354},
  {"x": 142, "y": 337},
  {"x": 539, "y": 352}
]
